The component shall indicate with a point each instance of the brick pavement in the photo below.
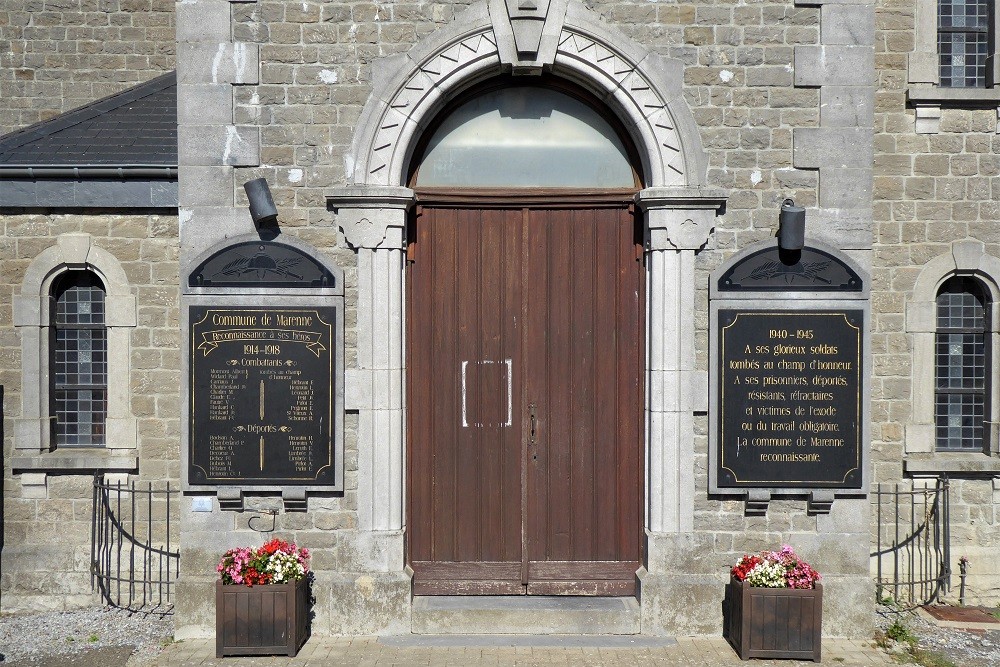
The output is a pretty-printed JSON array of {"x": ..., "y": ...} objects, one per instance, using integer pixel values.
[{"x": 334, "y": 651}]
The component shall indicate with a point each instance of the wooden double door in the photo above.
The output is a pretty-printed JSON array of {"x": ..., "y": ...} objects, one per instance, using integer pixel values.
[{"x": 524, "y": 372}]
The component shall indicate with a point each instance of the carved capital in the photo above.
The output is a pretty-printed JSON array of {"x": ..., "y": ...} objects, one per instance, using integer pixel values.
[
  {"x": 372, "y": 217},
  {"x": 679, "y": 218}
]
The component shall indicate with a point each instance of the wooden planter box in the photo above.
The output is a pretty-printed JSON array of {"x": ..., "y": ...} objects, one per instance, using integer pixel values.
[
  {"x": 774, "y": 622},
  {"x": 261, "y": 620}
]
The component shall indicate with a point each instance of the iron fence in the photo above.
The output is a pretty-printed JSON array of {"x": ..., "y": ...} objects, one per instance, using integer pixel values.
[
  {"x": 912, "y": 559},
  {"x": 132, "y": 562}
]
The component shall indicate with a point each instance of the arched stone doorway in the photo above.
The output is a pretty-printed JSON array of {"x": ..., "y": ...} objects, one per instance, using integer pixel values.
[{"x": 644, "y": 91}]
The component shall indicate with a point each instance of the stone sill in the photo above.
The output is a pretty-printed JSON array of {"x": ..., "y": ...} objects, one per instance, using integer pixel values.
[
  {"x": 88, "y": 461},
  {"x": 954, "y": 97},
  {"x": 951, "y": 463}
]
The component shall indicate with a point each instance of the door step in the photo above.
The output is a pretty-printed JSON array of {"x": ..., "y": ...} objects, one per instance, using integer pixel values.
[{"x": 524, "y": 615}]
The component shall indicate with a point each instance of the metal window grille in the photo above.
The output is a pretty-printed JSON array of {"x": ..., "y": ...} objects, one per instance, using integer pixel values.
[
  {"x": 960, "y": 366},
  {"x": 79, "y": 361},
  {"x": 964, "y": 42}
]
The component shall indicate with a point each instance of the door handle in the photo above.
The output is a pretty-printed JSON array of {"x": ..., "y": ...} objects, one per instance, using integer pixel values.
[{"x": 534, "y": 421}]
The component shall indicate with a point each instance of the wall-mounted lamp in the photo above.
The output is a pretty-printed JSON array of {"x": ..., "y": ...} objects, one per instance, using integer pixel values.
[
  {"x": 791, "y": 226},
  {"x": 262, "y": 208}
]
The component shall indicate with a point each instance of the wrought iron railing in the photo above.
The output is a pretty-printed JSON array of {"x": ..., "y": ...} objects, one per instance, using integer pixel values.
[
  {"x": 132, "y": 562},
  {"x": 912, "y": 558}
]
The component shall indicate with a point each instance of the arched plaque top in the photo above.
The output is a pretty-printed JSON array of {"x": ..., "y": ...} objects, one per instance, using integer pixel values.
[
  {"x": 771, "y": 269},
  {"x": 262, "y": 264}
]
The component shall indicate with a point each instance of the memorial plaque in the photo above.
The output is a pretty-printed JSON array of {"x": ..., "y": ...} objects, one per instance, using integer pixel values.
[
  {"x": 790, "y": 398},
  {"x": 262, "y": 395}
]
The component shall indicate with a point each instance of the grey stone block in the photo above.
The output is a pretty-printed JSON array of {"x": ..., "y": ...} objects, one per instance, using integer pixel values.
[
  {"x": 218, "y": 62},
  {"x": 832, "y": 147},
  {"x": 834, "y": 65},
  {"x": 204, "y": 226},
  {"x": 207, "y": 186},
  {"x": 849, "y": 25},
  {"x": 362, "y": 604},
  {"x": 163, "y": 194},
  {"x": 195, "y": 608},
  {"x": 17, "y": 193},
  {"x": 213, "y": 145},
  {"x": 847, "y": 229},
  {"x": 846, "y": 106},
  {"x": 845, "y": 188},
  {"x": 764, "y": 75},
  {"x": 203, "y": 21},
  {"x": 847, "y": 606},
  {"x": 522, "y": 615},
  {"x": 197, "y": 103},
  {"x": 682, "y": 605}
]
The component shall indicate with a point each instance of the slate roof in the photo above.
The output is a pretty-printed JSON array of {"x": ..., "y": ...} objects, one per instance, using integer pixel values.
[{"x": 135, "y": 128}]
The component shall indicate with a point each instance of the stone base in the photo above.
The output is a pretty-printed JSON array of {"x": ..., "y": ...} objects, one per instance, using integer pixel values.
[
  {"x": 681, "y": 605},
  {"x": 524, "y": 615},
  {"x": 362, "y": 604}
]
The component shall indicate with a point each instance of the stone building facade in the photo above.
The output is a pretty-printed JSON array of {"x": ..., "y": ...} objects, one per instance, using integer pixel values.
[{"x": 731, "y": 107}]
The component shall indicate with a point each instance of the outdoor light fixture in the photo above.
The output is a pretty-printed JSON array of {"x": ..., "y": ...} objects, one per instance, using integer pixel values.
[
  {"x": 791, "y": 226},
  {"x": 262, "y": 208}
]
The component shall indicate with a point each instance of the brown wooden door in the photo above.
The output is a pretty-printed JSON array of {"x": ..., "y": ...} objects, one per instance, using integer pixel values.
[{"x": 524, "y": 403}]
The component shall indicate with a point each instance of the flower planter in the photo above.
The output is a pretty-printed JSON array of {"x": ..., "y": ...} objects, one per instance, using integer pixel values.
[
  {"x": 271, "y": 619},
  {"x": 774, "y": 622}
]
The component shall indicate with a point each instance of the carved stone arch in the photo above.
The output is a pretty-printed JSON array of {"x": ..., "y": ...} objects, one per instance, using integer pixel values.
[
  {"x": 678, "y": 209},
  {"x": 643, "y": 88}
]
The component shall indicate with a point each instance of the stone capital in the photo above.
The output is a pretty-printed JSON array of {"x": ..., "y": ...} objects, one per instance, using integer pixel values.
[
  {"x": 679, "y": 218},
  {"x": 372, "y": 217}
]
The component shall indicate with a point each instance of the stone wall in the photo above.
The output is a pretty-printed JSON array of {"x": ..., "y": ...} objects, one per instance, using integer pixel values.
[
  {"x": 47, "y": 514},
  {"x": 934, "y": 185},
  {"x": 56, "y": 55}
]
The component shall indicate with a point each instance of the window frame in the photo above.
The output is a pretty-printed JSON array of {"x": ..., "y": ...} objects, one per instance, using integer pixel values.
[
  {"x": 925, "y": 94},
  {"x": 34, "y": 442},
  {"x": 989, "y": 76},
  {"x": 966, "y": 259},
  {"x": 965, "y": 332},
  {"x": 97, "y": 435}
]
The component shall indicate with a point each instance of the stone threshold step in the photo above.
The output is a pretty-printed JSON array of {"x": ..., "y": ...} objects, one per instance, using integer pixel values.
[
  {"x": 525, "y": 641},
  {"x": 524, "y": 615}
]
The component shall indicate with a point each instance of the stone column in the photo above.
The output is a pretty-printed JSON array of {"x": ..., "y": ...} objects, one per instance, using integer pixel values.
[
  {"x": 678, "y": 223},
  {"x": 373, "y": 220}
]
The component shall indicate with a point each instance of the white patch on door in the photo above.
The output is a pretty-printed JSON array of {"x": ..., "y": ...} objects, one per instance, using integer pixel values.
[{"x": 510, "y": 382}]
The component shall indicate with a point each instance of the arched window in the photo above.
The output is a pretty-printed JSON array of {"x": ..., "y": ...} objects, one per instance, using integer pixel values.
[
  {"x": 79, "y": 374},
  {"x": 75, "y": 314},
  {"x": 962, "y": 356},
  {"x": 526, "y": 137}
]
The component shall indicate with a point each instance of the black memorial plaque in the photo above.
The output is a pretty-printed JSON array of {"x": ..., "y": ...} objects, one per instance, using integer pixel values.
[
  {"x": 262, "y": 407},
  {"x": 790, "y": 397}
]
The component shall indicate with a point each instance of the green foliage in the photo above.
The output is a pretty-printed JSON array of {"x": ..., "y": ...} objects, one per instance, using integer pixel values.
[
  {"x": 93, "y": 638},
  {"x": 898, "y": 632}
]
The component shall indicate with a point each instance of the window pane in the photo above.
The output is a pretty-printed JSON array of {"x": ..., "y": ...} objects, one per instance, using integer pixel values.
[
  {"x": 963, "y": 42},
  {"x": 79, "y": 372},
  {"x": 959, "y": 419},
  {"x": 960, "y": 365},
  {"x": 525, "y": 137}
]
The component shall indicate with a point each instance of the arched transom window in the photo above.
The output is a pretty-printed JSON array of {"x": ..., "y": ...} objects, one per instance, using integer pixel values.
[{"x": 525, "y": 137}]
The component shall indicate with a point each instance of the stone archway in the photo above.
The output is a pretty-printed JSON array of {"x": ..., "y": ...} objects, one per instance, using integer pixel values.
[{"x": 645, "y": 90}]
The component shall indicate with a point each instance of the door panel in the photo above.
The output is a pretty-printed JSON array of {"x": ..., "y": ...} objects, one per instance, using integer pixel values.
[{"x": 524, "y": 401}]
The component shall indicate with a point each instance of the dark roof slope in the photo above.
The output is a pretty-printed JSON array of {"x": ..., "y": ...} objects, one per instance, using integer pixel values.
[{"x": 135, "y": 128}]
